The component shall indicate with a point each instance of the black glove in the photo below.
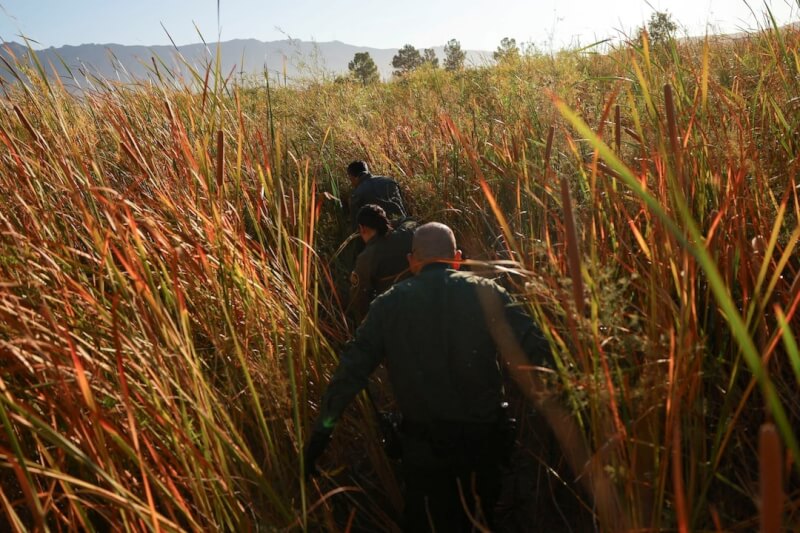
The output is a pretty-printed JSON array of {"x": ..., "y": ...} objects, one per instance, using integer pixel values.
[{"x": 316, "y": 446}]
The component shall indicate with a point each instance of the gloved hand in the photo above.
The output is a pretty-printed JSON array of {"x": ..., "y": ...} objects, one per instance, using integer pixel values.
[{"x": 314, "y": 448}]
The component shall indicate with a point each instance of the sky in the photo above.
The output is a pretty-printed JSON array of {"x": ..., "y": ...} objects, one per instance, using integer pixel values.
[{"x": 477, "y": 24}]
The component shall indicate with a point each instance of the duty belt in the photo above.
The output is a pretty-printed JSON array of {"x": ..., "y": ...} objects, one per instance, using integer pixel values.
[{"x": 434, "y": 428}]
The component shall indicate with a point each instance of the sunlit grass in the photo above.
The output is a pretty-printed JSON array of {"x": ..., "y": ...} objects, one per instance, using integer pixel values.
[{"x": 168, "y": 318}]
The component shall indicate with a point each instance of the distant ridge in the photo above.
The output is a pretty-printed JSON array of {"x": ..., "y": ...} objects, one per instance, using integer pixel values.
[{"x": 293, "y": 57}]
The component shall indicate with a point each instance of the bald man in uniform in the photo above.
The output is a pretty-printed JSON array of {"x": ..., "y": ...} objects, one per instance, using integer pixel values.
[{"x": 439, "y": 334}]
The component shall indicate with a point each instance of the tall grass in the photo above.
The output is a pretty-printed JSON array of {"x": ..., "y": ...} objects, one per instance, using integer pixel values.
[{"x": 168, "y": 317}]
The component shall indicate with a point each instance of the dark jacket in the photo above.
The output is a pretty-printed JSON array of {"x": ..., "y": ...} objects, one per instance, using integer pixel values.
[
  {"x": 434, "y": 336},
  {"x": 383, "y": 263},
  {"x": 378, "y": 190}
]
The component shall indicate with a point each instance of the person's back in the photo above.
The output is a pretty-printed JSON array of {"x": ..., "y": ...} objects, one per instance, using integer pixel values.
[
  {"x": 384, "y": 260},
  {"x": 378, "y": 190},
  {"x": 391, "y": 262},
  {"x": 442, "y": 361},
  {"x": 382, "y": 191}
]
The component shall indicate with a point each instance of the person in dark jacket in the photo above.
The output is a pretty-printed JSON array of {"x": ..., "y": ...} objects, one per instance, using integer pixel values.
[
  {"x": 369, "y": 189},
  {"x": 439, "y": 334},
  {"x": 384, "y": 260}
]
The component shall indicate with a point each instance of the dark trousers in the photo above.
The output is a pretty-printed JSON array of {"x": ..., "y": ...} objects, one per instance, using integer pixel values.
[
  {"x": 449, "y": 501},
  {"x": 457, "y": 488}
]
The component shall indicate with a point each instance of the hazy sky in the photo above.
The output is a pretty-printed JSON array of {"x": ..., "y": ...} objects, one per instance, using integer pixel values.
[{"x": 478, "y": 24}]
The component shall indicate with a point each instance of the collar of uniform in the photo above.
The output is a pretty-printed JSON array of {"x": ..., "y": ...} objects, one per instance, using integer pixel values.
[{"x": 435, "y": 266}]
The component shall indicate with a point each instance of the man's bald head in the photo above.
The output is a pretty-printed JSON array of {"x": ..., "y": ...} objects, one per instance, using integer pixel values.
[{"x": 433, "y": 241}]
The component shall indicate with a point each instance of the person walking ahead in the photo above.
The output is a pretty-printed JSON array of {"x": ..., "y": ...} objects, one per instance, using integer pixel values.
[
  {"x": 439, "y": 334},
  {"x": 369, "y": 189},
  {"x": 384, "y": 260}
]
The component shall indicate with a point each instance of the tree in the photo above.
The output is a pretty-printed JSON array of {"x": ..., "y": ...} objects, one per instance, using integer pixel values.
[
  {"x": 407, "y": 59},
  {"x": 508, "y": 50},
  {"x": 453, "y": 56},
  {"x": 661, "y": 28},
  {"x": 363, "y": 68},
  {"x": 430, "y": 58}
]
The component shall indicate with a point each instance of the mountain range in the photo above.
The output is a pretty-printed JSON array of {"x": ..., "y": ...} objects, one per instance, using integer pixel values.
[{"x": 288, "y": 59}]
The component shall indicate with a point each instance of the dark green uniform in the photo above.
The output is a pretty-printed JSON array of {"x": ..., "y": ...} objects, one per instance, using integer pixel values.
[
  {"x": 378, "y": 190},
  {"x": 383, "y": 263},
  {"x": 434, "y": 336}
]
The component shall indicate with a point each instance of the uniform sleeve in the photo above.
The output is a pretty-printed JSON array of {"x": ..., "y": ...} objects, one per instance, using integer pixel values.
[
  {"x": 359, "y": 359},
  {"x": 530, "y": 337}
]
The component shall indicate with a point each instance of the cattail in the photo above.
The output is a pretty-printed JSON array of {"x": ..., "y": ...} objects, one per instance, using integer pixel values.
[
  {"x": 220, "y": 160},
  {"x": 769, "y": 465},
  {"x": 573, "y": 253}
]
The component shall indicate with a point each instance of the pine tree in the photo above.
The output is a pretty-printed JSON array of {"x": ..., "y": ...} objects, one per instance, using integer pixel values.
[
  {"x": 454, "y": 56},
  {"x": 507, "y": 51},
  {"x": 429, "y": 58},
  {"x": 363, "y": 68},
  {"x": 407, "y": 59},
  {"x": 661, "y": 28}
]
